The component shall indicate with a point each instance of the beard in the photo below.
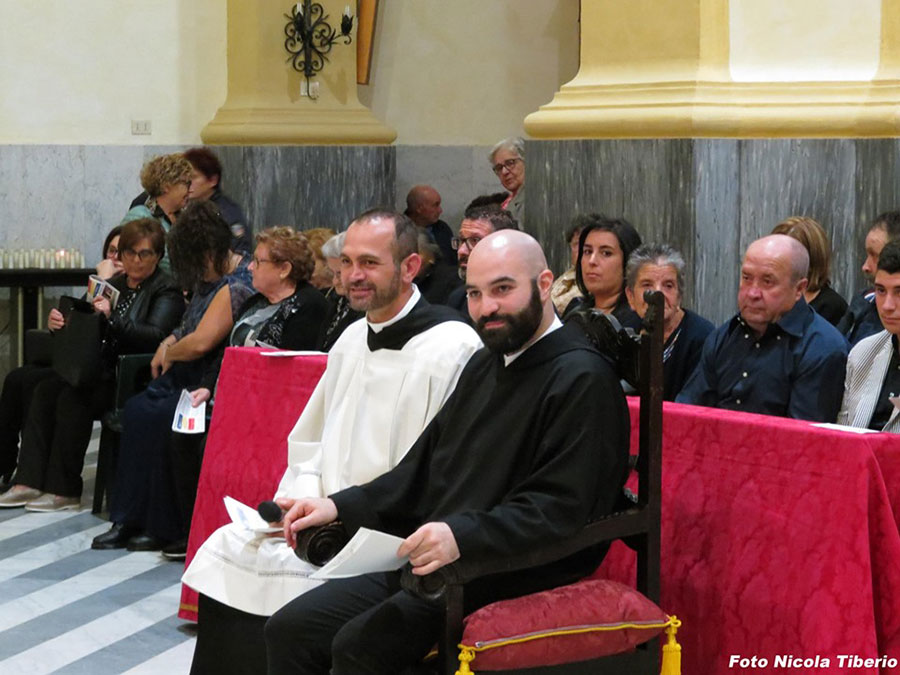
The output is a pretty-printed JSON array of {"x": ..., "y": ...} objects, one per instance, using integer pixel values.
[
  {"x": 519, "y": 328},
  {"x": 381, "y": 297}
]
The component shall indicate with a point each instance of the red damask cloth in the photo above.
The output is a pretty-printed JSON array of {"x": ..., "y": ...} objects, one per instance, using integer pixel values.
[
  {"x": 258, "y": 400},
  {"x": 779, "y": 539}
]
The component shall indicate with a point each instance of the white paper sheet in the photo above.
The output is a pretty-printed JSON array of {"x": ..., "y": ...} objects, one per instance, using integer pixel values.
[
  {"x": 189, "y": 420},
  {"x": 246, "y": 517},
  {"x": 368, "y": 551},
  {"x": 842, "y": 427}
]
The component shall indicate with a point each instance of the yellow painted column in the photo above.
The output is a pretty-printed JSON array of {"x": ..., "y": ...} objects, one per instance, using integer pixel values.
[
  {"x": 730, "y": 68},
  {"x": 264, "y": 104}
]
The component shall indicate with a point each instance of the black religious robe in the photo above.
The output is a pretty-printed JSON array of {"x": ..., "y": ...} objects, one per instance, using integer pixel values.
[{"x": 518, "y": 455}]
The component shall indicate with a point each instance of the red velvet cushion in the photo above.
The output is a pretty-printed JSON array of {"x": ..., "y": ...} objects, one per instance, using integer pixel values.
[{"x": 587, "y": 604}]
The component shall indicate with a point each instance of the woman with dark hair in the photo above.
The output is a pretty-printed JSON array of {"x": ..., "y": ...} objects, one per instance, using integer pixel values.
[
  {"x": 110, "y": 265},
  {"x": 286, "y": 313},
  {"x": 603, "y": 249},
  {"x": 202, "y": 260},
  {"x": 58, "y": 426},
  {"x": 206, "y": 184}
]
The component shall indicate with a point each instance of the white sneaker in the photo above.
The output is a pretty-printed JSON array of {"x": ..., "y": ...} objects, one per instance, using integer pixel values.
[{"x": 49, "y": 502}]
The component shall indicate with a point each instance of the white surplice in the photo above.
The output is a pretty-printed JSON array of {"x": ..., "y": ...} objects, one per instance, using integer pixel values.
[{"x": 365, "y": 413}]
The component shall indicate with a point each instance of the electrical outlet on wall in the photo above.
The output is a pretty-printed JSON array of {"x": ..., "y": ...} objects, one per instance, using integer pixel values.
[{"x": 140, "y": 128}]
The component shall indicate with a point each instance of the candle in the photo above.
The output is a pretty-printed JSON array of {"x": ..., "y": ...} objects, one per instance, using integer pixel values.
[
  {"x": 299, "y": 9},
  {"x": 347, "y": 11}
]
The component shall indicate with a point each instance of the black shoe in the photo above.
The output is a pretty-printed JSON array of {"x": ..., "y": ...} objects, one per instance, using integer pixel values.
[
  {"x": 145, "y": 542},
  {"x": 117, "y": 537},
  {"x": 176, "y": 551}
]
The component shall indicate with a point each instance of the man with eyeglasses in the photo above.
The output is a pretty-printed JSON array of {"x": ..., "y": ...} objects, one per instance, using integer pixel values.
[
  {"x": 478, "y": 222},
  {"x": 508, "y": 164}
]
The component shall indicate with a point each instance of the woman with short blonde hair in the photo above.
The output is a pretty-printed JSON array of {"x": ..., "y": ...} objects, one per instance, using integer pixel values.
[{"x": 167, "y": 180}]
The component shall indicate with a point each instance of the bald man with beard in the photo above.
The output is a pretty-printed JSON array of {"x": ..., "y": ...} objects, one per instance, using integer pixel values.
[
  {"x": 777, "y": 356},
  {"x": 531, "y": 445}
]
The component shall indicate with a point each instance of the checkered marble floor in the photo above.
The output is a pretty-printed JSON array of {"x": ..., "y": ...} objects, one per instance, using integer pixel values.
[{"x": 70, "y": 610}]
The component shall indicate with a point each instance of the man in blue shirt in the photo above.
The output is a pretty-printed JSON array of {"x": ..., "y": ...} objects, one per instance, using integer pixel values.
[{"x": 776, "y": 356}]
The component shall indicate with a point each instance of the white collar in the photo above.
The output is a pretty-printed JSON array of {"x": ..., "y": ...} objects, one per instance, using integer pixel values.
[
  {"x": 407, "y": 308},
  {"x": 509, "y": 358}
]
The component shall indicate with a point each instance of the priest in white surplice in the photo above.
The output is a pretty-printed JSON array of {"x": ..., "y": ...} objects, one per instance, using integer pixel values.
[{"x": 386, "y": 377}]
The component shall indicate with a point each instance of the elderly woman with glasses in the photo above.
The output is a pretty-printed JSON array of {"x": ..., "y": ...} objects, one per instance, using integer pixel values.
[
  {"x": 60, "y": 417},
  {"x": 659, "y": 267},
  {"x": 508, "y": 163}
]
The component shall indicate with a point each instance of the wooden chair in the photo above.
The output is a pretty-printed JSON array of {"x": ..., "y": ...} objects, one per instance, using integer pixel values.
[{"x": 637, "y": 522}]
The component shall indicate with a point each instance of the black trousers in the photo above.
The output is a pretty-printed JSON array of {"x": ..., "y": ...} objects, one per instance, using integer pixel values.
[
  {"x": 144, "y": 497},
  {"x": 186, "y": 459},
  {"x": 15, "y": 398},
  {"x": 229, "y": 641},
  {"x": 57, "y": 432},
  {"x": 365, "y": 624}
]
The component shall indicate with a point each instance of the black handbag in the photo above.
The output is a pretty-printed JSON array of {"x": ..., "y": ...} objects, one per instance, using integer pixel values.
[{"x": 77, "y": 347}]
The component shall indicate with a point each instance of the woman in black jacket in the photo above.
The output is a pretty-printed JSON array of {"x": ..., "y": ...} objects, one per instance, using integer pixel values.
[{"x": 58, "y": 426}]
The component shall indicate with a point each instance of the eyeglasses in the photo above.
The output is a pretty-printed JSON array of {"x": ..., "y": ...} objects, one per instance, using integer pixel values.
[
  {"x": 112, "y": 251},
  {"x": 259, "y": 261},
  {"x": 508, "y": 165},
  {"x": 470, "y": 242},
  {"x": 144, "y": 254}
]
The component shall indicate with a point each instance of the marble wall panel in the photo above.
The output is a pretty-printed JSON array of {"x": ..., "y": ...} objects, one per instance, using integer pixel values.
[
  {"x": 65, "y": 195},
  {"x": 712, "y": 284},
  {"x": 810, "y": 177},
  {"x": 111, "y": 182},
  {"x": 648, "y": 182},
  {"x": 311, "y": 186}
]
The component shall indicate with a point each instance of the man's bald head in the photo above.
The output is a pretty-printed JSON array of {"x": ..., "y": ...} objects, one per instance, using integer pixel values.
[
  {"x": 510, "y": 247},
  {"x": 423, "y": 205},
  {"x": 773, "y": 279},
  {"x": 781, "y": 246},
  {"x": 508, "y": 286}
]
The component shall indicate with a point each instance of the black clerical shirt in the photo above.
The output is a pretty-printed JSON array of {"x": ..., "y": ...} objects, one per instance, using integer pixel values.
[{"x": 795, "y": 369}]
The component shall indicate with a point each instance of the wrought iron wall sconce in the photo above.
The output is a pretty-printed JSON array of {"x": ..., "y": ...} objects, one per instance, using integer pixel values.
[{"x": 310, "y": 38}]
